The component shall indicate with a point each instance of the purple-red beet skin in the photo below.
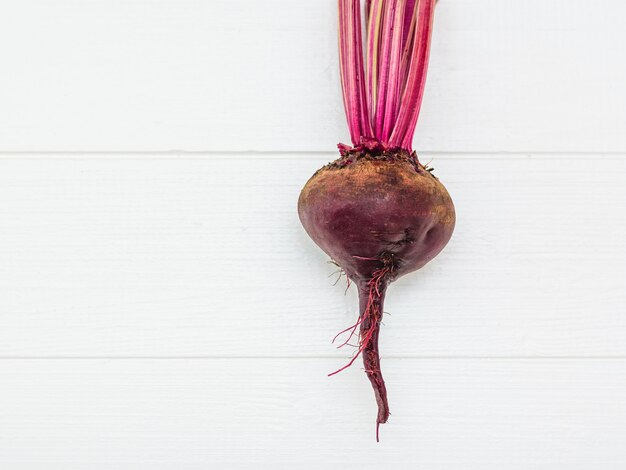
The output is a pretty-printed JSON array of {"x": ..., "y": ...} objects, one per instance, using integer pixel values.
[{"x": 378, "y": 217}]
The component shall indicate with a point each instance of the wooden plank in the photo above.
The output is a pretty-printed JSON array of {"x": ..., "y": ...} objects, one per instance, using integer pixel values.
[
  {"x": 206, "y": 257},
  {"x": 239, "y": 414},
  {"x": 97, "y": 75}
]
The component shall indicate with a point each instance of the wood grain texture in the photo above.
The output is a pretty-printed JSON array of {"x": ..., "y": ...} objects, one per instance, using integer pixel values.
[
  {"x": 206, "y": 257},
  {"x": 543, "y": 76},
  {"x": 241, "y": 414}
]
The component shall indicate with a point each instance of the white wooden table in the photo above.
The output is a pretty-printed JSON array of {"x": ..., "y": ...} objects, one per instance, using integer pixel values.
[{"x": 161, "y": 307}]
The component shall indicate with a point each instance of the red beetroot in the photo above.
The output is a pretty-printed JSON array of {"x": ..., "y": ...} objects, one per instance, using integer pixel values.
[
  {"x": 376, "y": 211},
  {"x": 379, "y": 217}
]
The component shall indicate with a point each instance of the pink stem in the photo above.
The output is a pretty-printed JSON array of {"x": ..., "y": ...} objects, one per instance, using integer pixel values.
[
  {"x": 383, "y": 97},
  {"x": 402, "y": 135},
  {"x": 394, "y": 81},
  {"x": 409, "y": 43},
  {"x": 383, "y": 68},
  {"x": 374, "y": 25},
  {"x": 352, "y": 69},
  {"x": 409, "y": 15}
]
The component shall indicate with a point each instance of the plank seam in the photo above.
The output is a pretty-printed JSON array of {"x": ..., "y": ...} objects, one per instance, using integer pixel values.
[{"x": 296, "y": 358}]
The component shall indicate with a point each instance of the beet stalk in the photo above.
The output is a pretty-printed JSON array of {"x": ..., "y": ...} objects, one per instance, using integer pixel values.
[{"x": 376, "y": 210}]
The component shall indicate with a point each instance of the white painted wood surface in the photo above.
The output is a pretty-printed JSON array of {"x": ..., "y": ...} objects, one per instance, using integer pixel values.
[
  {"x": 161, "y": 307},
  {"x": 285, "y": 413},
  {"x": 205, "y": 256},
  {"x": 532, "y": 75}
]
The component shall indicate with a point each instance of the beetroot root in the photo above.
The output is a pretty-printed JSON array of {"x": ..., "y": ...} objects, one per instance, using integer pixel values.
[{"x": 379, "y": 215}]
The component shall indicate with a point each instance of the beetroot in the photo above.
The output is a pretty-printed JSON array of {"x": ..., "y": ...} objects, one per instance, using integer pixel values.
[{"x": 377, "y": 211}]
